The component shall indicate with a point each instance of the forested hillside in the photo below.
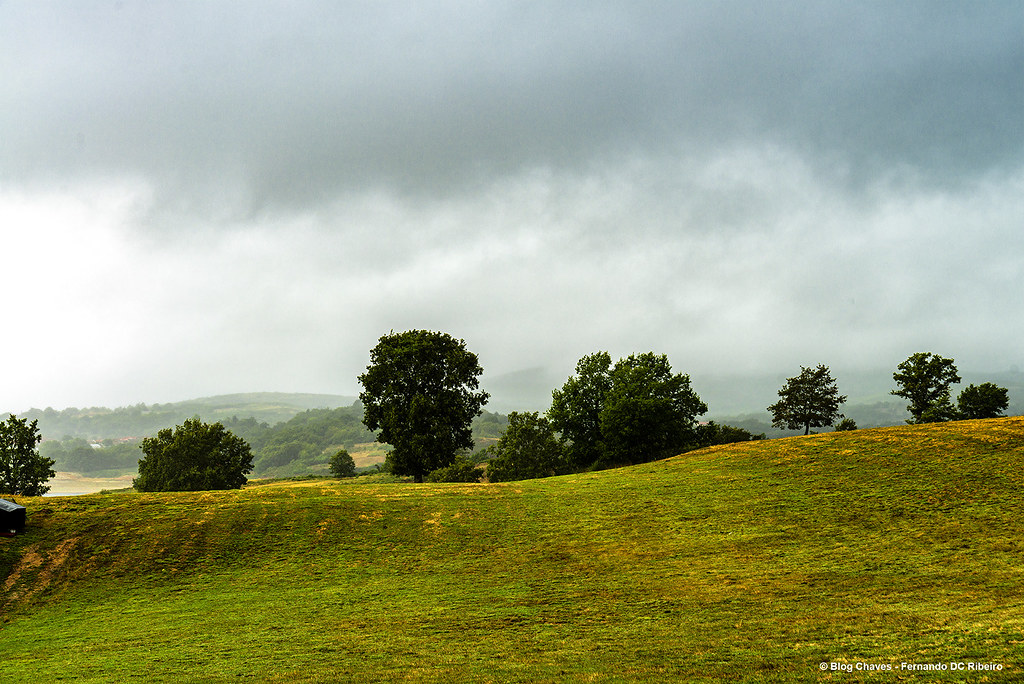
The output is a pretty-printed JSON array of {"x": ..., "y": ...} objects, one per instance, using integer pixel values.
[
  {"x": 300, "y": 444},
  {"x": 306, "y": 442},
  {"x": 141, "y": 420}
]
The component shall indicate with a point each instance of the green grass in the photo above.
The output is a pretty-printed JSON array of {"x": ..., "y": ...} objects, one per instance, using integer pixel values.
[{"x": 751, "y": 562}]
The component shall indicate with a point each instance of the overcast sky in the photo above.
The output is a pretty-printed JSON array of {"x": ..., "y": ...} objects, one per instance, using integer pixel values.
[{"x": 211, "y": 197}]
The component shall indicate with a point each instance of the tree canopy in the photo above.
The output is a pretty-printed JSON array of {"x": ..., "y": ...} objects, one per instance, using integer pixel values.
[
  {"x": 421, "y": 392},
  {"x": 195, "y": 456},
  {"x": 637, "y": 410},
  {"x": 924, "y": 379},
  {"x": 528, "y": 449},
  {"x": 986, "y": 400},
  {"x": 576, "y": 409},
  {"x": 649, "y": 412},
  {"x": 808, "y": 400},
  {"x": 22, "y": 470}
]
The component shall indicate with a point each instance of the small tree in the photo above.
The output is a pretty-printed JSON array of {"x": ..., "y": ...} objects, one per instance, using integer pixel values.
[
  {"x": 986, "y": 400},
  {"x": 419, "y": 392},
  {"x": 342, "y": 464},
  {"x": 924, "y": 379},
  {"x": 195, "y": 456},
  {"x": 846, "y": 425},
  {"x": 22, "y": 470},
  {"x": 527, "y": 449},
  {"x": 808, "y": 400}
]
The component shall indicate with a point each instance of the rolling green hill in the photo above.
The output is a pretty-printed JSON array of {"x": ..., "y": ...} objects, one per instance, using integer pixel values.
[{"x": 899, "y": 546}]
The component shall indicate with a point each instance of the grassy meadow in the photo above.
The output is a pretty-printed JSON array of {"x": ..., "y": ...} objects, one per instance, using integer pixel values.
[{"x": 749, "y": 562}]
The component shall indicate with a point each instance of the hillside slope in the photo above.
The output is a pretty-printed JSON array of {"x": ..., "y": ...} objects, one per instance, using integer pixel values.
[{"x": 744, "y": 562}]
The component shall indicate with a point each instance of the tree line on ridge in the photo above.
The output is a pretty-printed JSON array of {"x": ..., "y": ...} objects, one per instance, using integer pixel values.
[{"x": 421, "y": 396}]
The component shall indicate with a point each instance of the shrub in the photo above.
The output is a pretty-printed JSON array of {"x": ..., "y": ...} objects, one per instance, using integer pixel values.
[
  {"x": 712, "y": 433},
  {"x": 846, "y": 424},
  {"x": 194, "y": 456},
  {"x": 461, "y": 470}
]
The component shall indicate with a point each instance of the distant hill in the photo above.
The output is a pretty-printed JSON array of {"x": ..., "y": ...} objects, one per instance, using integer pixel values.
[
  {"x": 143, "y": 420},
  {"x": 290, "y": 434}
]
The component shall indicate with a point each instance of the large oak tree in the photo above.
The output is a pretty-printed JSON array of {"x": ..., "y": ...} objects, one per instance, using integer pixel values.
[
  {"x": 924, "y": 379},
  {"x": 421, "y": 392},
  {"x": 650, "y": 412}
]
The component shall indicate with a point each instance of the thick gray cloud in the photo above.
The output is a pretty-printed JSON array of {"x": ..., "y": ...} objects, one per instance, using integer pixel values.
[
  {"x": 205, "y": 198},
  {"x": 294, "y": 102}
]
